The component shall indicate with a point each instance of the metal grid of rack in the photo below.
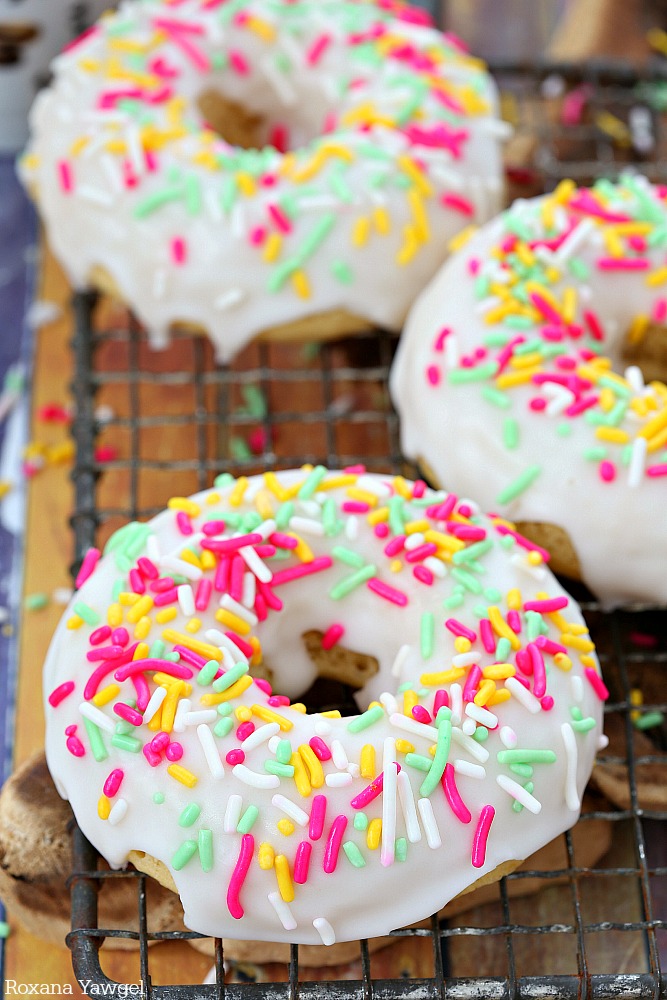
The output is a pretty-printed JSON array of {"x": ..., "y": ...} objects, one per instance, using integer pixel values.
[{"x": 595, "y": 930}]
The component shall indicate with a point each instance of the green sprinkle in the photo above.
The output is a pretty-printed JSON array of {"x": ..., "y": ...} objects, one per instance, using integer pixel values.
[
  {"x": 401, "y": 849},
  {"x": 312, "y": 482},
  {"x": 534, "y": 624},
  {"x": 248, "y": 819},
  {"x": 396, "y": 514},
  {"x": 523, "y": 770},
  {"x": 158, "y": 798},
  {"x": 427, "y": 634},
  {"x": 360, "y": 821},
  {"x": 96, "y": 741},
  {"x": 351, "y": 582},
  {"x": 84, "y": 611},
  {"x": 519, "y": 485},
  {"x": 455, "y": 601},
  {"x": 479, "y": 373},
  {"x": 516, "y": 805},
  {"x": 223, "y": 727},
  {"x": 330, "y": 522},
  {"x": 239, "y": 449},
  {"x": 284, "y": 752},
  {"x": 231, "y": 677},
  {"x": 157, "y": 650},
  {"x": 223, "y": 480},
  {"x": 518, "y": 322},
  {"x": 564, "y": 429},
  {"x": 503, "y": 649},
  {"x": 35, "y": 602},
  {"x": 205, "y": 844},
  {"x": 493, "y": 595},
  {"x": 185, "y": 853},
  {"x": 418, "y": 761},
  {"x": 366, "y": 719},
  {"x": 510, "y": 433},
  {"x": 284, "y": 515},
  {"x": 348, "y": 556},
  {"x": 584, "y": 725},
  {"x": 526, "y": 756},
  {"x": 648, "y": 720},
  {"x": 316, "y": 236},
  {"x": 354, "y": 855},
  {"x": 282, "y": 770},
  {"x": 496, "y": 397},
  {"x": 472, "y": 552},
  {"x": 468, "y": 581},
  {"x": 125, "y": 742},
  {"x": 342, "y": 272},
  {"x": 481, "y": 734},
  {"x": 155, "y": 201},
  {"x": 189, "y": 815},
  {"x": 432, "y": 779},
  {"x": 595, "y": 454},
  {"x": 207, "y": 673}
]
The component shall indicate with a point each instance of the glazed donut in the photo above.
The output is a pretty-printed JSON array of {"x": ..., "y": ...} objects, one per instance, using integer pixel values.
[
  {"x": 376, "y": 142},
  {"x": 478, "y": 732},
  {"x": 510, "y": 383}
]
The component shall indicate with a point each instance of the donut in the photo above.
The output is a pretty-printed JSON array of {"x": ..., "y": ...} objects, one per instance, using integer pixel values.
[
  {"x": 374, "y": 140},
  {"x": 511, "y": 384},
  {"x": 474, "y": 738}
]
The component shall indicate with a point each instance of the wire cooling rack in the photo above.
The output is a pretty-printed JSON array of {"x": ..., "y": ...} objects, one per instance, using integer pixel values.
[{"x": 597, "y": 929}]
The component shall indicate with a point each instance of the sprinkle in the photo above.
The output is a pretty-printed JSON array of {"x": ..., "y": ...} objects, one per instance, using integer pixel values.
[
  {"x": 333, "y": 844},
  {"x": 325, "y": 930},
  {"x": 291, "y": 809},
  {"x": 428, "y": 819},
  {"x": 238, "y": 876},
  {"x": 88, "y": 565},
  {"x": 366, "y": 719},
  {"x": 211, "y": 755},
  {"x": 518, "y": 485},
  {"x": 523, "y": 695},
  {"x": 283, "y": 911},
  {"x": 317, "y": 816},
  {"x": 388, "y": 802},
  {"x": 254, "y": 778},
  {"x": 413, "y": 727},
  {"x": 481, "y": 836},
  {"x": 118, "y": 812},
  {"x": 519, "y": 793},
  {"x": 389, "y": 593},
  {"x": 597, "y": 683},
  {"x": 60, "y": 693},
  {"x": 572, "y": 799},
  {"x": 452, "y": 795},
  {"x": 182, "y": 775}
]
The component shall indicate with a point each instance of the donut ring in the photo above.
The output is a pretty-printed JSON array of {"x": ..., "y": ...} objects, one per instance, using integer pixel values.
[
  {"x": 508, "y": 379},
  {"x": 278, "y": 825},
  {"x": 377, "y": 143}
]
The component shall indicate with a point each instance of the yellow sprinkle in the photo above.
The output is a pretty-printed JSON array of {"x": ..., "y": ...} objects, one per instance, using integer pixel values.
[
  {"x": 246, "y": 183},
  {"x": 395, "y": 566},
  {"x": 409, "y": 247},
  {"x": 654, "y": 425},
  {"x": 243, "y": 713},
  {"x": 485, "y": 691},
  {"x": 264, "y": 505},
  {"x": 569, "y": 304},
  {"x": 534, "y": 558},
  {"x": 589, "y": 661},
  {"x": 614, "y": 434},
  {"x": 298, "y": 706},
  {"x": 361, "y": 231},
  {"x": 498, "y": 696},
  {"x": 301, "y": 778},
  {"x": 525, "y": 254},
  {"x": 367, "y": 761},
  {"x": 188, "y": 506},
  {"x": 443, "y": 677},
  {"x": 564, "y": 191},
  {"x": 510, "y": 379},
  {"x": 232, "y": 621},
  {"x": 607, "y": 399},
  {"x": 413, "y": 527},
  {"x": 74, "y": 622},
  {"x": 143, "y": 627},
  {"x": 301, "y": 285},
  {"x": 235, "y": 498},
  {"x": 285, "y": 886},
  {"x": 421, "y": 223},
  {"x": 514, "y": 599},
  {"x": 577, "y": 642},
  {"x": 235, "y": 691},
  {"x": 106, "y": 695},
  {"x": 402, "y": 746},
  {"x": 141, "y": 652},
  {"x": 374, "y": 834},
  {"x": 155, "y": 725},
  {"x": 402, "y": 487},
  {"x": 364, "y": 496},
  {"x": 182, "y": 774},
  {"x": 614, "y": 127},
  {"x": 462, "y": 645},
  {"x": 170, "y": 704},
  {"x": 103, "y": 807},
  {"x": 462, "y": 238},
  {"x": 165, "y": 615},
  {"x": 613, "y": 243},
  {"x": 268, "y": 715},
  {"x": 382, "y": 220},
  {"x": 501, "y": 628},
  {"x": 263, "y": 29},
  {"x": 657, "y": 441},
  {"x": 256, "y": 657},
  {"x": 188, "y": 556},
  {"x": 286, "y": 827},
  {"x": 313, "y": 765},
  {"x": 193, "y": 625},
  {"x": 265, "y": 856},
  {"x": 140, "y": 609},
  {"x": 333, "y": 714},
  {"x": 410, "y": 699},
  {"x": 379, "y": 516},
  {"x": 338, "y": 482},
  {"x": 444, "y": 541},
  {"x": 657, "y": 277},
  {"x": 128, "y": 599},
  {"x": 195, "y": 645},
  {"x": 272, "y": 247},
  {"x": 303, "y": 551},
  {"x": 79, "y": 145},
  {"x": 499, "y": 671}
]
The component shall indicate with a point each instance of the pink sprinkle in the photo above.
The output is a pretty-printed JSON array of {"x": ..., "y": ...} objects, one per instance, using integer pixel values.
[
  {"x": 547, "y": 703},
  {"x": 544, "y": 307},
  {"x": 90, "y": 561},
  {"x": 355, "y": 507},
  {"x": 113, "y": 783},
  {"x": 88, "y": 33},
  {"x": 424, "y": 575},
  {"x": 263, "y": 685},
  {"x": 304, "y": 569},
  {"x": 334, "y": 841},
  {"x": 539, "y": 673},
  {"x": 174, "y": 752},
  {"x": 238, "y": 62},
  {"x": 659, "y": 313},
  {"x": 120, "y": 636},
  {"x": 282, "y": 541},
  {"x": 502, "y": 529},
  {"x": 245, "y": 730},
  {"x": 178, "y": 36},
  {"x": 239, "y": 874},
  {"x": 370, "y": 792},
  {"x": 594, "y": 325},
  {"x": 656, "y": 470},
  {"x": 60, "y": 693},
  {"x": 316, "y": 50},
  {"x": 221, "y": 579},
  {"x": 203, "y": 593},
  {"x": 128, "y": 714},
  {"x": 537, "y": 404},
  {"x": 441, "y": 700},
  {"x": 143, "y": 691},
  {"x": 458, "y": 628},
  {"x": 258, "y": 236},
  {"x": 236, "y": 756},
  {"x": 319, "y": 748},
  {"x": 183, "y": 522},
  {"x": 236, "y": 577},
  {"x": 524, "y": 662},
  {"x": 178, "y": 250},
  {"x": 472, "y": 682},
  {"x": 607, "y": 471},
  {"x": 71, "y": 730},
  {"x": 100, "y": 634},
  {"x": 104, "y": 653},
  {"x": 456, "y": 803},
  {"x": 481, "y": 836},
  {"x": 468, "y": 532},
  {"x": 279, "y": 218},
  {"x": 514, "y": 620},
  {"x": 279, "y": 139},
  {"x": 421, "y": 715},
  {"x": 458, "y": 203},
  {"x": 137, "y": 582},
  {"x": 623, "y": 264},
  {"x": 160, "y": 742},
  {"x": 421, "y": 552},
  {"x": 488, "y": 636},
  {"x": 302, "y": 862},
  {"x": 241, "y": 644},
  {"x": 418, "y": 489},
  {"x": 389, "y": 593},
  {"x": 581, "y": 405},
  {"x": 153, "y": 758},
  {"x": 75, "y": 746},
  {"x": 161, "y": 600},
  {"x": 105, "y": 668},
  {"x": 65, "y": 176},
  {"x": 164, "y": 583},
  {"x": 332, "y": 635},
  {"x": 393, "y": 547},
  {"x": 213, "y": 528},
  {"x": 278, "y": 700},
  {"x": 546, "y": 605},
  {"x": 440, "y": 339},
  {"x": 164, "y": 666},
  {"x": 549, "y": 646},
  {"x": 597, "y": 683},
  {"x": 381, "y": 530},
  {"x": 317, "y": 813}
]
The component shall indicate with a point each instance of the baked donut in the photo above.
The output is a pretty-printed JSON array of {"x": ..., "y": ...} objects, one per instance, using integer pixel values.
[
  {"x": 511, "y": 386},
  {"x": 374, "y": 141},
  {"x": 277, "y": 824}
]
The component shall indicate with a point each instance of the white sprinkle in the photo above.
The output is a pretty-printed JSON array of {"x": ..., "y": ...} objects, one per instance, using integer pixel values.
[
  {"x": 414, "y": 540},
  {"x": 156, "y": 700},
  {"x": 495, "y": 127},
  {"x": 322, "y": 727},
  {"x": 186, "y": 599},
  {"x": 153, "y": 549},
  {"x": 229, "y": 604},
  {"x": 469, "y": 769},
  {"x": 262, "y": 734},
  {"x": 325, "y": 930},
  {"x": 254, "y": 778},
  {"x": 389, "y": 788},
  {"x": 229, "y": 298},
  {"x": 135, "y": 150},
  {"x": 468, "y": 726},
  {"x": 200, "y": 717},
  {"x": 211, "y": 754},
  {"x": 182, "y": 710},
  {"x": 407, "y": 800},
  {"x": 113, "y": 173},
  {"x": 311, "y": 509},
  {"x": 285, "y": 915},
  {"x": 436, "y": 566},
  {"x": 634, "y": 376},
  {"x": 369, "y": 484},
  {"x": 481, "y": 715},
  {"x": 577, "y": 688},
  {"x": 97, "y": 196},
  {"x": 560, "y": 398},
  {"x": 431, "y": 830},
  {"x": 232, "y": 813},
  {"x": 354, "y": 770},
  {"x": 306, "y": 526},
  {"x": 97, "y": 716},
  {"x": 266, "y": 528},
  {"x": 339, "y": 779},
  {"x": 291, "y": 809},
  {"x": 456, "y": 703},
  {"x": 388, "y": 702},
  {"x": 521, "y": 562},
  {"x": 474, "y": 748},
  {"x": 223, "y": 642},
  {"x": 508, "y": 737},
  {"x": 62, "y": 595},
  {"x": 118, "y": 811},
  {"x": 339, "y": 755},
  {"x": 573, "y": 243},
  {"x": 465, "y": 659},
  {"x": 256, "y": 564},
  {"x": 603, "y": 742},
  {"x": 523, "y": 695},
  {"x": 519, "y": 793},
  {"x": 352, "y": 528},
  {"x": 412, "y": 726},
  {"x": 249, "y": 590},
  {"x": 180, "y": 566},
  {"x": 572, "y": 799},
  {"x": 637, "y": 462},
  {"x": 400, "y": 660}
]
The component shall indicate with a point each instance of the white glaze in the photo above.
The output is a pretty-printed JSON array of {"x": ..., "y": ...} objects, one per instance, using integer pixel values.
[
  {"x": 385, "y": 893},
  {"x": 615, "y": 527},
  {"x": 378, "y": 193}
]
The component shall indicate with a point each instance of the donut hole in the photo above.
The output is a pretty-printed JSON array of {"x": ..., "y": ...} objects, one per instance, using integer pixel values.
[
  {"x": 232, "y": 121},
  {"x": 649, "y": 353}
]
